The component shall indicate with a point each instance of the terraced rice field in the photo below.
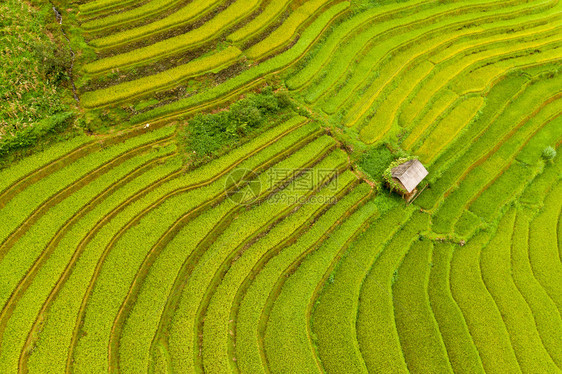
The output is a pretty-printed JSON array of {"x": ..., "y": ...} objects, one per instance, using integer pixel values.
[{"x": 117, "y": 257}]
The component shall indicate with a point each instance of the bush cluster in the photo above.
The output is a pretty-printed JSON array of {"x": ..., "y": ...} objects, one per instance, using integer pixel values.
[
  {"x": 549, "y": 153},
  {"x": 34, "y": 62},
  {"x": 208, "y": 135}
]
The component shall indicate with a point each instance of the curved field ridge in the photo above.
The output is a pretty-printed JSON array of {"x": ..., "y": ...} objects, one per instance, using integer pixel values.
[
  {"x": 162, "y": 81},
  {"x": 116, "y": 256}
]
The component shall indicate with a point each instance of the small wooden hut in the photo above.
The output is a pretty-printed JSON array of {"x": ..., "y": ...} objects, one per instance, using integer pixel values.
[{"x": 404, "y": 176}]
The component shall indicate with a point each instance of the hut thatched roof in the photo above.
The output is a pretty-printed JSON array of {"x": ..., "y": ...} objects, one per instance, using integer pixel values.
[{"x": 409, "y": 174}]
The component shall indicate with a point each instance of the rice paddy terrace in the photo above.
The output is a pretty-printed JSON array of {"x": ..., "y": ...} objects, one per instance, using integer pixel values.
[{"x": 115, "y": 257}]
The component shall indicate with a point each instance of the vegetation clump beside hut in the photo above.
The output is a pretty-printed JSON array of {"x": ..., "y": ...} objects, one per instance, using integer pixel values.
[{"x": 404, "y": 175}]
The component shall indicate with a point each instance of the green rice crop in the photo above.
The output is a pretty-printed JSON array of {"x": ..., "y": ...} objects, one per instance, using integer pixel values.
[
  {"x": 256, "y": 221},
  {"x": 345, "y": 31},
  {"x": 27, "y": 301},
  {"x": 121, "y": 252},
  {"x": 543, "y": 246},
  {"x": 274, "y": 64},
  {"x": 495, "y": 264},
  {"x": 444, "y": 100},
  {"x": 20, "y": 170},
  {"x": 387, "y": 114},
  {"x": 479, "y": 309},
  {"x": 391, "y": 36},
  {"x": 25, "y": 203},
  {"x": 142, "y": 320},
  {"x": 217, "y": 327},
  {"x": 264, "y": 19},
  {"x": 146, "y": 10},
  {"x": 504, "y": 189},
  {"x": 545, "y": 312},
  {"x": 162, "y": 81},
  {"x": 99, "y": 312},
  {"x": 435, "y": 80},
  {"x": 62, "y": 323},
  {"x": 463, "y": 355},
  {"x": 375, "y": 315},
  {"x": 335, "y": 313},
  {"x": 284, "y": 33},
  {"x": 51, "y": 348},
  {"x": 534, "y": 193},
  {"x": 99, "y": 6},
  {"x": 417, "y": 328},
  {"x": 134, "y": 344},
  {"x": 177, "y": 44},
  {"x": 247, "y": 346},
  {"x": 498, "y": 100},
  {"x": 448, "y": 128},
  {"x": 287, "y": 340},
  {"x": 443, "y": 76},
  {"x": 482, "y": 147},
  {"x": 101, "y": 309},
  {"x": 491, "y": 165},
  {"x": 189, "y": 13}
]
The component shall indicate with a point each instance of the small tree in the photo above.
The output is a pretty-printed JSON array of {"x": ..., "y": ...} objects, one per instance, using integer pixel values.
[{"x": 549, "y": 153}]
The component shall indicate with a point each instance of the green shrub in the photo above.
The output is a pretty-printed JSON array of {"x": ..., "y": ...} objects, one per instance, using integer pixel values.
[
  {"x": 207, "y": 135},
  {"x": 549, "y": 153}
]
